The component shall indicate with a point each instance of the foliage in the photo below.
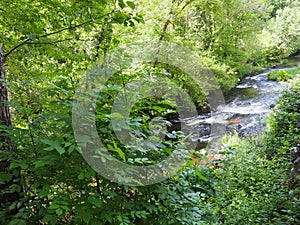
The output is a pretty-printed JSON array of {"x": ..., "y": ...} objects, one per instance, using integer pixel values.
[
  {"x": 58, "y": 187},
  {"x": 224, "y": 32},
  {"x": 281, "y": 37},
  {"x": 142, "y": 133},
  {"x": 284, "y": 75},
  {"x": 284, "y": 124},
  {"x": 280, "y": 75},
  {"x": 252, "y": 189},
  {"x": 253, "y": 180},
  {"x": 49, "y": 45},
  {"x": 277, "y": 5},
  {"x": 229, "y": 31}
]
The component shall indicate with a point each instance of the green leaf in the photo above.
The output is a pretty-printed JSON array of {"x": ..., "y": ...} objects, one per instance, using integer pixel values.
[
  {"x": 117, "y": 115},
  {"x": 53, "y": 206},
  {"x": 84, "y": 215},
  {"x": 64, "y": 207},
  {"x": 59, "y": 211},
  {"x": 23, "y": 166},
  {"x": 39, "y": 163},
  {"x": 121, "y": 4},
  {"x": 54, "y": 145},
  {"x": 199, "y": 175},
  {"x": 118, "y": 150},
  {"x": 14, "y": 165},
  {"x": 131, "y": 4},
  {"x": 98, "y": 202},
  {"x": 14, "y": 188},
  {"x": 121, "y": 153},
  {"x": 50, "y": 218},
  {"x": 81, "y": 176},
  {"x": 31, "y": 36}
]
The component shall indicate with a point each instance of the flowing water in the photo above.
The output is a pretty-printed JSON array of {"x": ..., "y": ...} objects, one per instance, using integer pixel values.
[{"x": 245, "y": 110}]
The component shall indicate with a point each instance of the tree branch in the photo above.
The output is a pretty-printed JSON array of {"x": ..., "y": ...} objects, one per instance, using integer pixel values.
[
  {"x": 17, "y": 46},
  {"x": 46, "y": 42},
  {"x": 189, "y": 2},
  {"x": 27, "y": 41}
]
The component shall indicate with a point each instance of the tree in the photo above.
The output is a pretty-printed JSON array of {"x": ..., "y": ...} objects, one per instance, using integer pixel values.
[
  {"x": 5, "y": 121},
  {"x": 31, "y": 29}
]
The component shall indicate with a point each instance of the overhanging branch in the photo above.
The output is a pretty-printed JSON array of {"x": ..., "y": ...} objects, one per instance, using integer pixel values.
[
  {"x": 17, "y": 46},
  {"x": 29, "y": 40},
  {"x": 47, "y": 42}
]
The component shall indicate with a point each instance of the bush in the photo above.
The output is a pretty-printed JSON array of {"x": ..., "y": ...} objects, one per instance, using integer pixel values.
[
  {"x": 225, "y": 75},
  {"x": 284, "y": 124},
  {"x": 284, "y": 75},
  {"x": 282, "y": 37},
  {"x": 57, "y": 186},
  {"x": 253, "y": 189}
]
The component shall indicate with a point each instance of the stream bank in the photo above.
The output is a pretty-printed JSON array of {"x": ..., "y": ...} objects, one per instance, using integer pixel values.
[{"x": 245, "y": 110}]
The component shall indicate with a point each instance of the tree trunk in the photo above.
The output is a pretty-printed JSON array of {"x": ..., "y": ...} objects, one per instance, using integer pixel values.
[{"x": 5, "y": 142}]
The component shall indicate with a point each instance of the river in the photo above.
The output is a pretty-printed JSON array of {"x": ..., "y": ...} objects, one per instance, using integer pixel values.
[{"x": 245, "y": 110}]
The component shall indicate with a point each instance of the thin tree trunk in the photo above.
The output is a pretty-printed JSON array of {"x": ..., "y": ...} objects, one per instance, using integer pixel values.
[{"x": 5, "y": 142}]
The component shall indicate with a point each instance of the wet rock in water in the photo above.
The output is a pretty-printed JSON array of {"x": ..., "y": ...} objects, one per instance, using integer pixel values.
[{"x": 276, "y": 65}]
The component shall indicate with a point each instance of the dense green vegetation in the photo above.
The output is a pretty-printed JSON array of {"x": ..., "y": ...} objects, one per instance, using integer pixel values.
[
  {"x": 284, "y": 75},
  {"x": 46, "y": 47},
  {"x": 252, "y": 185}
]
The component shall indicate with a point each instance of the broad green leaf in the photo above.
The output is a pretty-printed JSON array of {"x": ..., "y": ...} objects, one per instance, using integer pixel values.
[
  {"x": 53, "y": 206},
  {"x": 131, "y": 4},
  {"x": 59, "y": 211},
  {"x": 51, "y": 219},
  {"x": 54, "y": 145},
  {"x": 31, "y": 36},
  {"x": 121, "y": 4},
  {"x": 84, "y": 214},
  {"x": 98, "y": 202},
  {"x": 64, "y": 207}
]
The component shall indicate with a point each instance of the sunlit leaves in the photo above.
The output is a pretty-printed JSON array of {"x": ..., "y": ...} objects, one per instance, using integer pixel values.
[
  {"x": 131, "y": 4},
  {"x": 121, "y": 4}
]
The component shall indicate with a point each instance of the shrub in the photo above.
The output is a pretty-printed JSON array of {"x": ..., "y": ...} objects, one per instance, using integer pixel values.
[
  {"x": 252, "y": 189},
  {"x": 57, "y": 186},
  {"x": 284, "y": 124},
  {"x": 283, "y": 75},
  {"x": 281, "y": 37}
]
